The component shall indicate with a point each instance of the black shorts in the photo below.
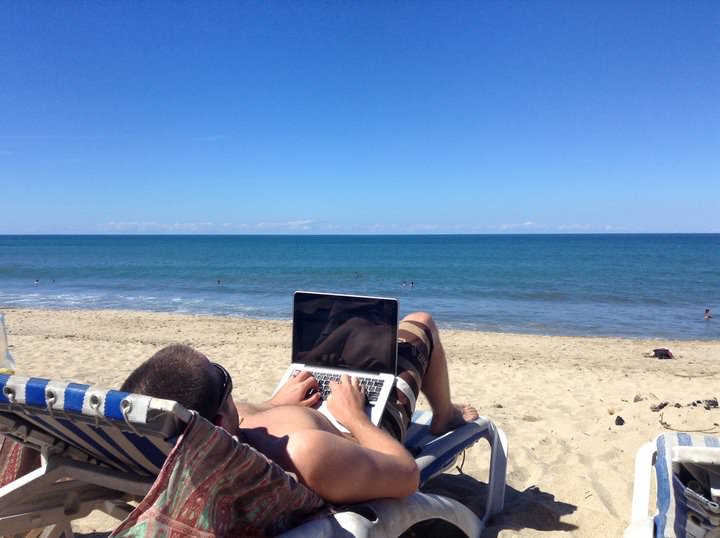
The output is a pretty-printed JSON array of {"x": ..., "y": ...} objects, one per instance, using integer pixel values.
[{"x": 415, "y": 346}]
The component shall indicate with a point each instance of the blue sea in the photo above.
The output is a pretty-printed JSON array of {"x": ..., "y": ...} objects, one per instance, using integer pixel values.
[{"x": 654, "y": 286}]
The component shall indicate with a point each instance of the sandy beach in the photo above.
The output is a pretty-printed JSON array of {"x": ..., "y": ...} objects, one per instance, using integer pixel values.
[{"x": 558, "y": 399}]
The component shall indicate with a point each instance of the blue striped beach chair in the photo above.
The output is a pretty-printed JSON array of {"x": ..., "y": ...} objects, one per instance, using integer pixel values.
[
  {"x": 102, "y": 449},
  {"x": 687, "y": 478},
  {"x": 99, "y": 449}
]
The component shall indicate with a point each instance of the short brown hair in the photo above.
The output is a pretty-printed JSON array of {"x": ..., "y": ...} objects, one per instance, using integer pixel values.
[{"x": 177, "y": 372}]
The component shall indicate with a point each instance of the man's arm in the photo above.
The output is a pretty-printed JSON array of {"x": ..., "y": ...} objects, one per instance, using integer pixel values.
[{"x": 344, "y": 471}]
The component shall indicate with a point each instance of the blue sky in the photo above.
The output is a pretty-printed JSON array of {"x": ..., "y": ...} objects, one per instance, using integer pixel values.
[{"x": 359, "y": 117}]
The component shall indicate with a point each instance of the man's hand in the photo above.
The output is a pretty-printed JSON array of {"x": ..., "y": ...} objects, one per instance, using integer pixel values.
[
  {"x": 295, "y": 391},
  {"x": 347, "y": 400}
]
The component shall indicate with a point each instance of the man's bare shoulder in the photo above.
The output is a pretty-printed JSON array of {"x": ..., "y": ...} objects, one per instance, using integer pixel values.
[
  {"x": 288, "y": 419},
  {"x": 297, "y": 438}
]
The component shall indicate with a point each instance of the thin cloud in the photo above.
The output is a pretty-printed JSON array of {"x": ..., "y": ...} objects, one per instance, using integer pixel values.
[
  {"x": 589, "y": 228},
  {"x": 291, "y": 225},
  {"x": 158, "y": 227},
  {"x": 527, "y": 225},
  {"x": 311, "y": 226},
  {"x": 574, "y": 227},
  {"x": 205, "y": 227},
  {"x": 404, "y": 228}
]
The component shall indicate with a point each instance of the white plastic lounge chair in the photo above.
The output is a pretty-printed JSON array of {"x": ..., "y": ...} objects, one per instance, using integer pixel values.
[
  {"x": 687, "y": 476},
  {"x": 101, "y": 448}
]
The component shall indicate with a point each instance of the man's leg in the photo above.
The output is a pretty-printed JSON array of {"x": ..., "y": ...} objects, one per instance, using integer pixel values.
[{"x": 435, "y": 383}]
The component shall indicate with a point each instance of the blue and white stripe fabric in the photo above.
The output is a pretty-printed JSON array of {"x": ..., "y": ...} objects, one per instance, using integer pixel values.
[
  {"x": 684, "y": 464},
  {"x": 128, "y": 432}
]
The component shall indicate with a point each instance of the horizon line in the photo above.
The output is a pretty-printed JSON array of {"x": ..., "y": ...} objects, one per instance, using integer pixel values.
[{"x": 280, "y": 234}]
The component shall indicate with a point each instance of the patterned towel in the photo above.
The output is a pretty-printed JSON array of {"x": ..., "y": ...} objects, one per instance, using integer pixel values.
[
  {"x": 213, "y": 485},
  {"x": 16, "y": 460}
]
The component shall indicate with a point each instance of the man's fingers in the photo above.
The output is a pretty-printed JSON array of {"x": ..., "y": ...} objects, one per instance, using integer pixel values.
[
  {"x": 335, "y": 383},
  {"x": 303, "y": 375},
  {"x": 309, "y": 383},
  {"x": 355, "y": 383},
  {"x": 352, "y": 382}
]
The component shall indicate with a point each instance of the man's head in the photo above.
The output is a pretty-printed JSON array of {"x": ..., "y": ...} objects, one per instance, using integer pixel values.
[{"x": 181, "y": 373}]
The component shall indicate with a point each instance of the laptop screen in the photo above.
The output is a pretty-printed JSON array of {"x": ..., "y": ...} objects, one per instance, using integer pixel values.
[{"x": 345, "y": 331}]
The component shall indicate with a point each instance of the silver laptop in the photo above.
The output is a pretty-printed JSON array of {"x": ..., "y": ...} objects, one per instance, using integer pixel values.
[{"x": 335, "y": 334}]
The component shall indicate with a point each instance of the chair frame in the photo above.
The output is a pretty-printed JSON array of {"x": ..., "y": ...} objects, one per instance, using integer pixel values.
[
  {"x": 388, "y": 518},
  {"x": 661, "y": 457}
]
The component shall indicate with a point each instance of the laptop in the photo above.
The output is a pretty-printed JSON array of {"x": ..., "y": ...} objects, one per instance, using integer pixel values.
[{"x": 335, "y": 334}]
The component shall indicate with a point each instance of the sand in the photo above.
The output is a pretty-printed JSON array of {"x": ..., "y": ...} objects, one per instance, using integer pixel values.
[{"x": 570, "y": 469}]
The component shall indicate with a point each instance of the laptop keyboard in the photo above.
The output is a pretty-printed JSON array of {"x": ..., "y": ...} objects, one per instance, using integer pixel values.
[{"x": 371, "y": 385}]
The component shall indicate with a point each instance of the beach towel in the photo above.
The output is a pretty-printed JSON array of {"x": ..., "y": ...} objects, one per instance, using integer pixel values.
[
  {"x": 16, "y": 460},
  {"x": 213, "y": 485}
]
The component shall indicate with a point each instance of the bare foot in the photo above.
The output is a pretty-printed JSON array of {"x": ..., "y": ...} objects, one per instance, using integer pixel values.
[{"x": 459, "y": 415}]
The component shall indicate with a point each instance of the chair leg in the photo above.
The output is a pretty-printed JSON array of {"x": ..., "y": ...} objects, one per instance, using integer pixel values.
[
  {"x": 49, "y": 498},
  {"x": 498, "y": 470},
  {"x": 117, "y": 509},
  {"x": 57, "y": 530}
]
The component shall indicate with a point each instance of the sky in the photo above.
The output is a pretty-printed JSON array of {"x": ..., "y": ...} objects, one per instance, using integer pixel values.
[{"x": 359, "y": 117}]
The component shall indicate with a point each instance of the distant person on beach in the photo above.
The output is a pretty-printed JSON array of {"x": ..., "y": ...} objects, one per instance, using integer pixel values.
[
  {"x": 369, "y": 463},
  {"x": 708, "y": 315}
]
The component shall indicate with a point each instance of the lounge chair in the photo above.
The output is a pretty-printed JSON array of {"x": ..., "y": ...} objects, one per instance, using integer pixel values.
[
  {"x": 101, "y": 449},
  {"x": 687, "y": 477}
]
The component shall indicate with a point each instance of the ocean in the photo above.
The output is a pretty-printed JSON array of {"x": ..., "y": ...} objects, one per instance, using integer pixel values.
[{"x": 643, "y": 286}]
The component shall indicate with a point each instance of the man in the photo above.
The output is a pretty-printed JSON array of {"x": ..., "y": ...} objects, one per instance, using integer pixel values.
[{"x": 368, "y": 463}]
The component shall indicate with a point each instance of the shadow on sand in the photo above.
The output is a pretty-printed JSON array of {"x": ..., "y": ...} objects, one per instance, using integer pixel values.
[{"x": 529, "y": 509}]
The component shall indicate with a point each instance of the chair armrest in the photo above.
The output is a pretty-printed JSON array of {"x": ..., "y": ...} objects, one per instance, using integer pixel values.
[{"x": 641, "y": 523}]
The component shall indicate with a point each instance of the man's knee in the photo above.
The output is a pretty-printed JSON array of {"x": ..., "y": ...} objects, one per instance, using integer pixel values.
[
  {"x": 423, "y": 317},
  {"x": 426, "y": 319}
]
